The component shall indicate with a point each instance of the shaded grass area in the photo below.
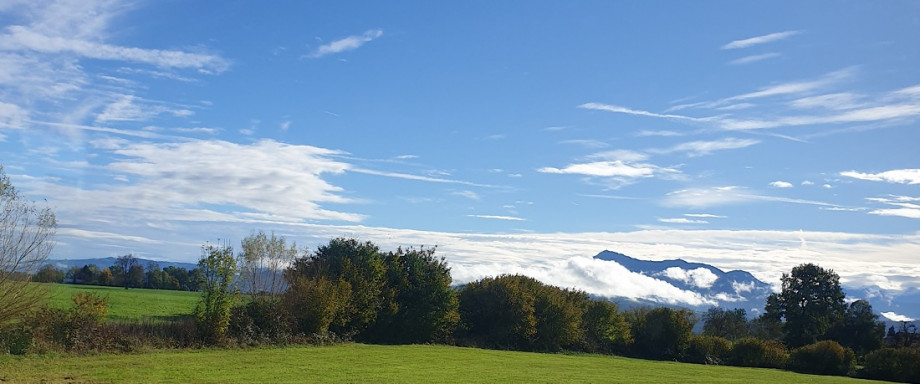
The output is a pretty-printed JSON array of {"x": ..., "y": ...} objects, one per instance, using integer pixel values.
[
  {"x": 361, "y": 363},
  {"x": 131, "y": 304}
]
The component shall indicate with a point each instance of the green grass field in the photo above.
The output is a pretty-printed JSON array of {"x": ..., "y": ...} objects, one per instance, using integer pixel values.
[
  {"x": 358, "y": 363},
  {"x": 131, "y": 304}
]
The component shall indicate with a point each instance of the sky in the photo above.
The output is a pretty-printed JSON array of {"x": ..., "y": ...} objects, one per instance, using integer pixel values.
[{"x": 515, "y": 136}]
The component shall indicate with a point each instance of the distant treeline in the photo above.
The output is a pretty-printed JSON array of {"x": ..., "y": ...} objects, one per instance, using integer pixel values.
[
  {"x": 126, "y": 272},
  {"x": 352, "y": 290}
]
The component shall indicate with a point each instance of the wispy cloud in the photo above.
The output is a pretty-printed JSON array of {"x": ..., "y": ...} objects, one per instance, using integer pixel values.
[
  {"x": 754, "y": 58},
  {"x": 497, "y": 217},
  {"x": 745, "y": 43},
  {"x": 907, "y": 206},
  {"x": 467, "y": 194},
  {"x": 628, "y": 111},
  {"x": 407, "y": 176},
  {"x": 900, "y": 176},
  {"x": 704, "y": 215},
  {"x": 682, "y": 220},
  {"x": 702, "y": 148},
  {"x": 22, "y": 38},
  {"x": 728, "y": 195},
  {"x": 347, "y": 44}
]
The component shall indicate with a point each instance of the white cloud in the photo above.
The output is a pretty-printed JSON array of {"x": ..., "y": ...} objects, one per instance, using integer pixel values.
[
  {"x": 604, "y": 169},
  {"x": 728, "y": 195},
  {"x": 781, "y": 184},
  {"x": 347, "y": 44},
  {"x": 703, "y": 148},
  {"x": 619, "y": 109},
  {"x": 896, "y": 317},
  {"x": 744, "y": 43},
  {"x": 906, "y": 206},
  {"x": 22, "y": 38},
  {"x": 587, "y": 143},
  {"x": 12, "y": 116},
  {"x": 127, "y": 109},
  {"x": 831, "y": 101},
  {"x": 497, "y": 217},
  {"x": 754, "y": 58},
  {"x": 406, "y": 176},
  {"x": 704, "y": 215},
  {"x": 212, "y": 180},
  {"x": 699, "y": 277},
  {"x": 682, "y": 220},
  {"x": 901, "y": 176}
]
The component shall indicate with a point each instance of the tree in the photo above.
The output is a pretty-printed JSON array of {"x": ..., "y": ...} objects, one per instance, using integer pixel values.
[
  {"x": 861, "y": 329},
  {"x": 728, "y": 324},
  {"x": 212, "y": 314},
  {"x": 419, "y": 305},
  {"x": 125, "y": 264},
  {"x": 605, "y": 329},
  {"x": 49, "y": 274},
  {"x": 361, "y": 267},
  {"x": 810, "y": 304},
  {"x": 662, "y": 333},
  {"x": 26, "y": 239},
  {"x": 262, "y": 263}
]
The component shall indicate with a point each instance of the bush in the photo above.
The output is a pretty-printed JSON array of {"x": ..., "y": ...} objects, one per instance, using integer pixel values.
[
  {"x": 262, "y": 320},
  {"x": 708, "y": 350},
  {"x": 822, "y": 358},
  {"x": 751, "y": 352},
  {"x": 893, "y": 364}
]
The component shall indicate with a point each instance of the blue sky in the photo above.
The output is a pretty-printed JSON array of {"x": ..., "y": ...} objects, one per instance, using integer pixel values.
[{"x": 517, "y": 137}]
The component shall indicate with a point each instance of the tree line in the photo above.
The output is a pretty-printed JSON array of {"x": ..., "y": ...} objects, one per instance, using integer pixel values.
[{"x": 125, "y": 272}]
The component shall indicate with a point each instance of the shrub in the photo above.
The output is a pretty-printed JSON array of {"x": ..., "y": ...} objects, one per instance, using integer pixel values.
[
  {"x": 263, "y": 320},
  {"x": 708, "y": 350},
  {"x": 751, "y": 352},
  {"x": 823, "y": 358},
  {"x": 894, "y": 364}
]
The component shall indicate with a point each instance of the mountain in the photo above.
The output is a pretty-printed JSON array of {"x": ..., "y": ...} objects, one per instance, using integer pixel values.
[
  {"x": 740, "y": 289},
  {"x": 105, "y": 262},
  {"x": 732, "y": 289}
]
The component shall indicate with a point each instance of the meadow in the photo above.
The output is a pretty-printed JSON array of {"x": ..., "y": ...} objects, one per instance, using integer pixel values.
[
  {"x": 361, "y": 363},
  {"x": 130, "y": 304}
]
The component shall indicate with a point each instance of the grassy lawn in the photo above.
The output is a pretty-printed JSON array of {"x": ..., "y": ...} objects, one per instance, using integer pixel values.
[
  {"x": 131, "y": 304},
  {"x": 358, "y": 363}
]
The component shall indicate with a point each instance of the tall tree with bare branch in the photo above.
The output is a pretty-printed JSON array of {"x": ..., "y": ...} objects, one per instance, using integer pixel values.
[{"x": 26, "y": 239}]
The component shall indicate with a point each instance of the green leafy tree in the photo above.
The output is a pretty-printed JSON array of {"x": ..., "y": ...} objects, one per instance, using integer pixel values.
[
  {"x": 662, "y": 333},
  {"x": 605, "y": 328},
  {"x": 519, "y": 312},
  {"x": 218, "y": 268},
  {"x": 419, "y": 304},
  {"x": 860, "y": 329},
  {"x": 810, "y": 304},
  {"x": 26, "y": 239},
  {"x": 728, "y": 324},
  {"x": 360, "y": 266}
]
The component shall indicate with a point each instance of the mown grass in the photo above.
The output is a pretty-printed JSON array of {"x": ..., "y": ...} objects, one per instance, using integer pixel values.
[
  {"x": 358, "y": 363},
  {"x": 131, "y": 304}
]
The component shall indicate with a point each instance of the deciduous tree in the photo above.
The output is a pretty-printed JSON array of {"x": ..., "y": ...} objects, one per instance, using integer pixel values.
[
  {"x": 26, "y": 239},
  {"x": 810, "y": 304}
]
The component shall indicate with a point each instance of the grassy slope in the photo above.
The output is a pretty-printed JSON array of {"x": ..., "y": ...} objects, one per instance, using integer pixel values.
[
  {"x": 131, "y": 304},
  {"x": 371, "y": 363}
]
